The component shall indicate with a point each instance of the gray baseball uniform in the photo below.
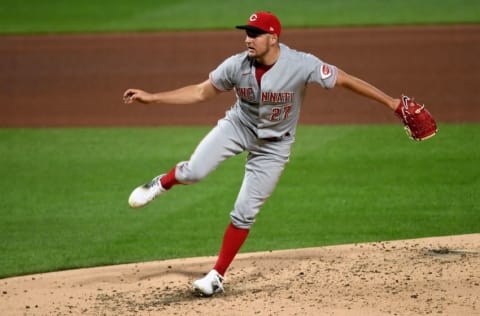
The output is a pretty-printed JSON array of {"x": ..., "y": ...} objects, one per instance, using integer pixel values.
[{"x": 262, "y": 121}]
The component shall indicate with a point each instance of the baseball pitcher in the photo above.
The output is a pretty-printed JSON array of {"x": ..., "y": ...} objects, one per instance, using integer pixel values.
[{"x": 269, "y": 80}]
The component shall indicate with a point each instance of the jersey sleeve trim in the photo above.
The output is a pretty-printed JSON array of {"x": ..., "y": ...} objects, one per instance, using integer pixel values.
[
  {"x": 334, "y": 79},
  {"x": 217, "y": 86}
]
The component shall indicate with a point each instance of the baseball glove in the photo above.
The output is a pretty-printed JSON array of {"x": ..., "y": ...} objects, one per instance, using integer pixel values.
[{"x": 419, "y": 123}]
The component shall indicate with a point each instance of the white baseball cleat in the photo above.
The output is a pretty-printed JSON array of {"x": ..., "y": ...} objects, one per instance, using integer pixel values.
[
  {"x": 146, "y": 193},
  {"x": 209, "y": 284}
]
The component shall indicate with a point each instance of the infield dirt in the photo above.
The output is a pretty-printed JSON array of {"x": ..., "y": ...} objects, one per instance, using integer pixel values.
[
  {"x": 438, "y": 276},
  {"x": 78, "y": 80}
]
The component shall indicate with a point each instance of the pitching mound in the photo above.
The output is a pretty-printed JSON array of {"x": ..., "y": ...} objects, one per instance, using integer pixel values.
[{"x": 411, "y": 277}]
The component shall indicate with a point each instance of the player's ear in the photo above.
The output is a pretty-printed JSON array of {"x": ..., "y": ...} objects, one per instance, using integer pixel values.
[{"x": 273, "y": 38}]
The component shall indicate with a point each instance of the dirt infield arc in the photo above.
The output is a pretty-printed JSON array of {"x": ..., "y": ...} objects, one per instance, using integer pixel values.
[
  {"x": 78, "y": 80},
  {"x": 432, "y": 276}
]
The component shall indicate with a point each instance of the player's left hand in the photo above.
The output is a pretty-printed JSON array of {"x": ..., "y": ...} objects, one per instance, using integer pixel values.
[{"x": 419, "y": 123}]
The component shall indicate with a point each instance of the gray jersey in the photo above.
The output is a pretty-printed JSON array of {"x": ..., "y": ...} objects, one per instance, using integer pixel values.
[
  {"x": 273, "y": 110},
  {"x": 262, "y": 122}
]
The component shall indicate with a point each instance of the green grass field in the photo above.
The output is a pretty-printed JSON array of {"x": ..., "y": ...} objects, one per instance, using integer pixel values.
[
  {"x": 53, "y": 16},
  {"x": 65, "y": 193}
]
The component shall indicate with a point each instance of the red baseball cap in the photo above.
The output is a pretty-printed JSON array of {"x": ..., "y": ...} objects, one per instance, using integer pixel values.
[{"x": 263, "y": 22}]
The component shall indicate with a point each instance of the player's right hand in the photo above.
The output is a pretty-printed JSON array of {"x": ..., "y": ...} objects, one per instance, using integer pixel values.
[{"x": 136, "y": 95}]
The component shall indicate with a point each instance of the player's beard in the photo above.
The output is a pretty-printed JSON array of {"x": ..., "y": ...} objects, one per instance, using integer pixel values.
[{"x": 258, "y": 53}]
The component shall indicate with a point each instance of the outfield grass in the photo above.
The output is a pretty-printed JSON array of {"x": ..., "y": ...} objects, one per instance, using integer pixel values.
[
  {"x": 64, "y": 201},
  {"x": 55, "y": 16}
]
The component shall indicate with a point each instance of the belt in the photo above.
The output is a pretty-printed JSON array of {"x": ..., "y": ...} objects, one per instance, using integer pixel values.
[{"x": 278, "y": 138}]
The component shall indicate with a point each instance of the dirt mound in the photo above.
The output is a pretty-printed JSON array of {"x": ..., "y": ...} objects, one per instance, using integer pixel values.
[{"x": 411, "y": 277}]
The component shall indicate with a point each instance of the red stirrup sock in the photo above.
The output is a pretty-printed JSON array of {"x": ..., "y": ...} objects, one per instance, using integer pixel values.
[
  {"x": 169, "y": 179},
  {"x": 232, "y": 242}
]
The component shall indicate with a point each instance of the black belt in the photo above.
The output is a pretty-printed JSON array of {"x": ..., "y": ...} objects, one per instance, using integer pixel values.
[{"x": 276, "y": 139}]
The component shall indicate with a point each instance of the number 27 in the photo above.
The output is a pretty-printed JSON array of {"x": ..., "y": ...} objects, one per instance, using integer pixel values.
[{"x": 280, "y": 113}]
